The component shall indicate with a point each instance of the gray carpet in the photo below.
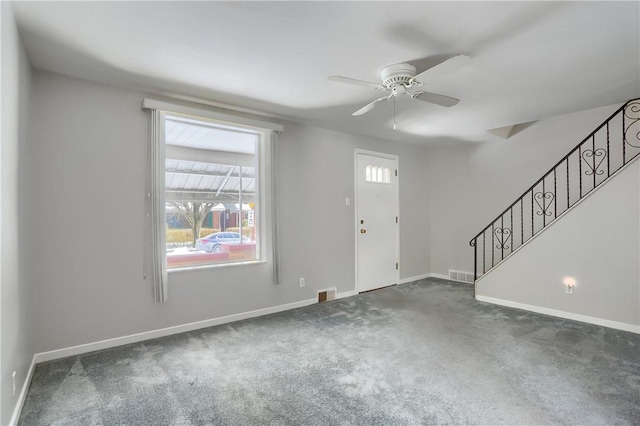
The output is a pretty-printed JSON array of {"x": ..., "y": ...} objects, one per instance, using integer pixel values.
[{"x": 420, "y": 353}]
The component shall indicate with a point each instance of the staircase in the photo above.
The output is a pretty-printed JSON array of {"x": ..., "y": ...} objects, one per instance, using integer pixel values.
[{"x": 606, "y": 151}]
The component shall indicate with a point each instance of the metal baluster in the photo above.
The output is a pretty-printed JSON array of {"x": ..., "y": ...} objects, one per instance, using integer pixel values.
[
  {"x": 608, "y": 161},
  {"x": 511, "y": 233},
  {"x": 532, "y": 215},
  {"x": 568, "y": 196},
  {"x": 624, "y": 152},
  {"x": 475, "y": 260},
  {"x": 493, "y": 251},
  {"x": 593, "y": 145},
  {"x": 484, "y": 258},
  {"x": 521, "y": 221},
  {"x": 544, "y": 204},
  {"x": 555, "y": 192},
  {"x": 580, "y": 168},
  {"x": 502, "y": 238}
]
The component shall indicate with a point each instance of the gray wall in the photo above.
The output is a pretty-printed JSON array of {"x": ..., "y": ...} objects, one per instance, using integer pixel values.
[
  {"x": 88, "y": 163},
  {"x": 471, "y": 185},
  {"x": 602, "y": 256},
  {"x": 16, "y": 335}
]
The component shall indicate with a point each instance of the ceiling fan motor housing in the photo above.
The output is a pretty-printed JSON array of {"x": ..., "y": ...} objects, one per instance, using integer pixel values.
[{"x": 398, "y": 74}]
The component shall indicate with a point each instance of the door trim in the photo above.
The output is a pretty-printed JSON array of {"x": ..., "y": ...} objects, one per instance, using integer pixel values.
[{"x": 384, "y": 155}]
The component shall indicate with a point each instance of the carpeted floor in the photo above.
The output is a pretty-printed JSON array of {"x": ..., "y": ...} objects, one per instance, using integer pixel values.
[{"x": 419, "y": 353}]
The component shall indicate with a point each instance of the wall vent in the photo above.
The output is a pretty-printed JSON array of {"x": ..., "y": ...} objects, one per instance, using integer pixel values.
[{"x": 461, "y": 276}]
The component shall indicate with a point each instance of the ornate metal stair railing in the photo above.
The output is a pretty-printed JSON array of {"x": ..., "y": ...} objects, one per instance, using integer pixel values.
[{"x": 614, "y": 144}]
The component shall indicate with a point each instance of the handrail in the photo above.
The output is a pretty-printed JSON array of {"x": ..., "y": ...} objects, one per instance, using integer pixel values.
[{"x": 629, "y": 117}]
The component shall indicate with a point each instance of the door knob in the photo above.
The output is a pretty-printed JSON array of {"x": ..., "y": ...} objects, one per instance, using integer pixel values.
[{"x": 363, "y": 231}]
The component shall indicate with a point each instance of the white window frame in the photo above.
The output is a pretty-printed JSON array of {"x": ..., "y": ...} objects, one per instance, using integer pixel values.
[
  {"x": 156, "y": 265},
  {"x": 263, "y": 148}
]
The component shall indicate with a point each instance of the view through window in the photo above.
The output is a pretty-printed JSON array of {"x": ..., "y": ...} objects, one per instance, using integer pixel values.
[{"x": 211, "y": 180}]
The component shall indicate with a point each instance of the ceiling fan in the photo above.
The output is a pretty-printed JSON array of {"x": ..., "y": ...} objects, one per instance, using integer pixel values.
[{"x": 403, "y": 79}]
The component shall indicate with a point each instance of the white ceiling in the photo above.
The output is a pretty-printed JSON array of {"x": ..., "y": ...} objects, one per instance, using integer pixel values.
[{"x": 529, "y": 60}]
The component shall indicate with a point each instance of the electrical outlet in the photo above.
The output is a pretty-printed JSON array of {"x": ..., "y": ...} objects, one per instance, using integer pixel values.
[
  {"x": 13, "y": 378},
  {"x": 568, "y": 288},
  {"x": 301, "y": 282}
]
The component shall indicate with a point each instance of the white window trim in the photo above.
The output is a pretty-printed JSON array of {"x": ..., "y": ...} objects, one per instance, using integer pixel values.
[
  {"x": 234, "y": 120},
  {"x": 156, "y": 258}
]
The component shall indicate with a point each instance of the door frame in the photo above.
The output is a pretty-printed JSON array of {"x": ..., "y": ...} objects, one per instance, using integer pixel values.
[{"x": 395, "y": 158}]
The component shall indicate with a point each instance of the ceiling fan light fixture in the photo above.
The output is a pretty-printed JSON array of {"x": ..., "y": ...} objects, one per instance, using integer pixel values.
[
  {"x": 399, "y": 78},
  {"x": 397, "y": 74}
]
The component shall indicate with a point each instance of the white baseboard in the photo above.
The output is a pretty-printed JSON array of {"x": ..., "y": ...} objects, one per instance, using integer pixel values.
[
  {"x": 152, "y": 334},
  {"x": 23, "y": 394},
  {"x": 414, "y": 278},
  {"x": 422, "y": 277},
  {"x": 346, "y": 294},
  {"x": 562, "y": 314},
  {"x": 428, "y": 275},
  {"x": 441, "y": 276}
]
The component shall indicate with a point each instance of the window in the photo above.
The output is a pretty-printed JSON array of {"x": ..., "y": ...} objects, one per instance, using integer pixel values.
[
  {"x": 377, "y": 174},
  {"x": 211, "y": 191},
  {"x": 212, "y": 182}
]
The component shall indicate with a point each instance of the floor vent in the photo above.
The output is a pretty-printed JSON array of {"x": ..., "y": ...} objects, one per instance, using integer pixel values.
[
  {"x": 462, "y": 276},
  {"x": 326, "y": 295}
]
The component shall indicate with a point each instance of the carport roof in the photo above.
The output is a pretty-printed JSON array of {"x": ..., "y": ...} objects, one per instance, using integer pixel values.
[{"x": 208, "y": 162}]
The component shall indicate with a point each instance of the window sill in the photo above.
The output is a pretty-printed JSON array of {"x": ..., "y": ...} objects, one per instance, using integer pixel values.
[{"x": 216, "y": 266}]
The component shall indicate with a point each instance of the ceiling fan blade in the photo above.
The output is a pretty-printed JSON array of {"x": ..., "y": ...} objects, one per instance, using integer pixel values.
[
  {"x": 368, "y": 107},
  {"x": 441, "y": 69},
  {"x": 348, "y": 80},
  {"x": 434, "y": 98}
]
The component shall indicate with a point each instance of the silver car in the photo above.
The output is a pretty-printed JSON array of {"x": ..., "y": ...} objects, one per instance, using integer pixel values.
[{"x": 212, "y": 243}]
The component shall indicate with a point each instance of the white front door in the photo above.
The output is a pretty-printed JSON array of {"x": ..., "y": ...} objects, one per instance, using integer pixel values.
[{"x": 376, "y": 221}]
